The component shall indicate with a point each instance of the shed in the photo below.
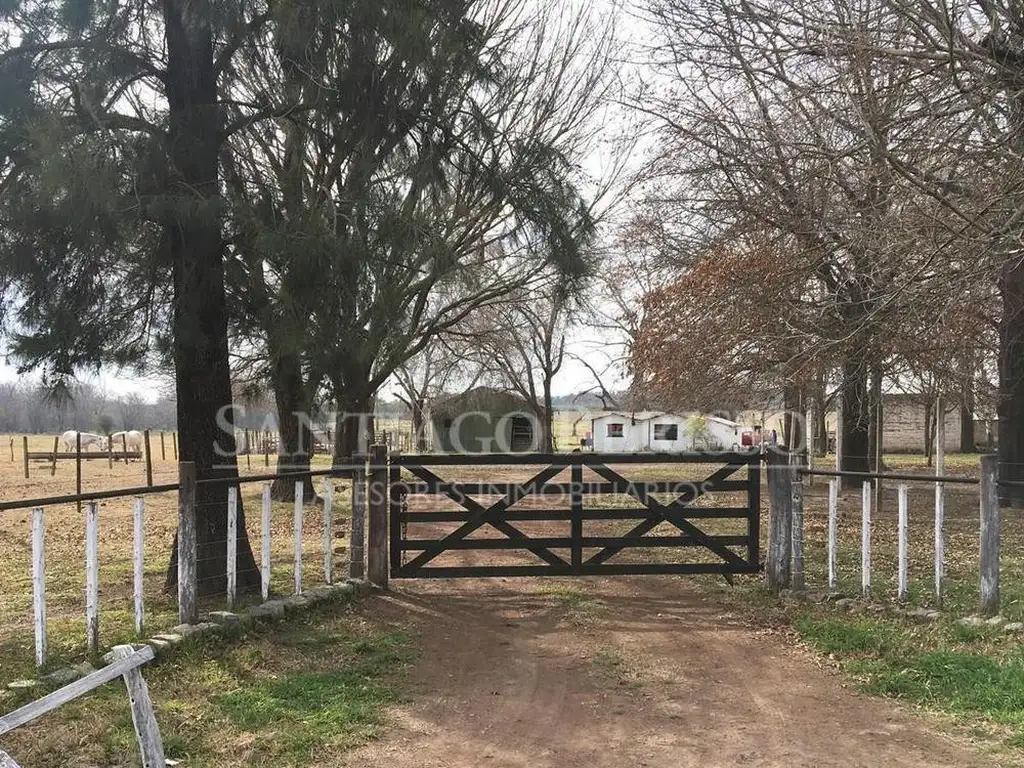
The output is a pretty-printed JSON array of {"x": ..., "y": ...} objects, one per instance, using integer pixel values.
[
  {"x": 482, "y": 420},
  {"x": 622, "y": 431}
]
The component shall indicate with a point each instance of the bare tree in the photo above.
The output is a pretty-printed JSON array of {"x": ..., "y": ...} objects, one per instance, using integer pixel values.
[
  {"x": 766, "y": 135},
  {"x": 442, "y": 363},
  {"x": 520, "y": 345},
  {"x": 131, "y": 408}
]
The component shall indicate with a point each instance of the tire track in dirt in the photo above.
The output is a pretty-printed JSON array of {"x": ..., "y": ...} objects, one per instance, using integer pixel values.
[{"x": 652, "y": 677}]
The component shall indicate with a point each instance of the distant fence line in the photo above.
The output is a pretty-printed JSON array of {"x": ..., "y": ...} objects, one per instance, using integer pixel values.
[{"x": 784, "y": 567}]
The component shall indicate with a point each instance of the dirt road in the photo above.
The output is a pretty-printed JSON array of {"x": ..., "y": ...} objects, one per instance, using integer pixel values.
[{"x": 636, "y": 672}]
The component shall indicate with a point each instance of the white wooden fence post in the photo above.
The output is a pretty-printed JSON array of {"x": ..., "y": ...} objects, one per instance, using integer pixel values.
[
  {"x": 833, "y": 529},
  {"x": 901, "y": 585},
  {"x": 298, "y": 537},
  {"x": 265, "y": 543},
  {"x": 865, "y": 539},
  {"x": 940, "y": 500},
  {"x": 39, "y": 581},
  {"x": 328, "y": 531},
  {"x": 92, "y": 577},
  {"x": 188, "y": 574},
  {"x": 138, "y": 537},
  {"x": 232, "y": 544}
]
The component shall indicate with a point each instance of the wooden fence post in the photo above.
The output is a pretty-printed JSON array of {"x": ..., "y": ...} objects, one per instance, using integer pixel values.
[
  {"x": 92, "y": 577},
  {"x": 149, "y": 460},
  {"x": 39, "y": 582},
  {"x": 232, "y": 553},
  {"x": 24, "y": 446},
  {"x": 377, "y": 518},
  {"x": 780, "y": 495},
  {"x": 811, "y": 419},
  {"x": 833, "y": 534},
  {"x": 124, "y": 447},
  {"x": 940, "y": 500},
  {"x": 188, "y": 609},
  {"x": 298, "y": 537},
  {"x": 839, "y": 435},
  {"x": 798, "y": 526},
  {"x": 78, "y": 468},
  {"x": 865, "y": 539},
  {"x": 357, "y": 536},
  {"x": 174, "y": 444},
  {"x": 163, "y": 447},
  {"x": 901, "y": 581},
  {"x": 265, "y": 542},
  {"x": 138, "y": 537},
  {"x": 990, "y": 529},
  {"x": 110, "y": 452},
  {"x": 53, "y": 469},
  {"x": 147, "y": 731},
  {"x": 328, "y": 531}
]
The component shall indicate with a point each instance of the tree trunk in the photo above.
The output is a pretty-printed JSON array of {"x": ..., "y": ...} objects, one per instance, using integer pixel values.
[
  {"x": 929, "y": 429},
  {"x": 296, "y": 444},
  {"x": 200, "y": 346},
  {"x": 791, "y": 405},
  {"x": 876, "y": 435},
  {"x": 967, "y": 416},
  {"x": 353, "y": 424},
  {"x": 1011, "y": 384},
  {"x": 547, "y": 444},
  {"x": 419, "y": 435},
  {"x": 855, "y": 424}
]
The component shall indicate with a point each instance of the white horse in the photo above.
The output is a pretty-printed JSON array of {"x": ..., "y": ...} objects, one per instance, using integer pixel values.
[
  {"x": 88, "y": 439},
  {"x": 131, "y": 440}
]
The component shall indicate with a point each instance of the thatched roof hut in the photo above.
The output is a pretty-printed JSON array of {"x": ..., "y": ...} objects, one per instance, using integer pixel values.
[{"x": 481, "y": 420}]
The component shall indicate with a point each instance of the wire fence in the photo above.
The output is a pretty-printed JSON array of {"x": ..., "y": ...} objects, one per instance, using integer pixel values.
[
  {"x": 83, "y": 572},
  {"x": 934, "y": 539}
]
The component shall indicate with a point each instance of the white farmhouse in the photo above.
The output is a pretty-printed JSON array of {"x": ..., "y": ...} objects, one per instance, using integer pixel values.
[{"x": 627, "y": 432}]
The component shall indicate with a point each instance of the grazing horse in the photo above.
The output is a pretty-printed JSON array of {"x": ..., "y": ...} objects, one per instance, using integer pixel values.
[
  {"x": 89, "y": 439},
  {"x": 131, "y": 440}
]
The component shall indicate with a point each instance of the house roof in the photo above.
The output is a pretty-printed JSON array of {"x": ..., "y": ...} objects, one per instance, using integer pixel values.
[
  {"x": 632, "y": 415},
  {"x": 726, "y": 422},
  {"x": 478, "y": 399},
  {"x": 648, "y": 415}
]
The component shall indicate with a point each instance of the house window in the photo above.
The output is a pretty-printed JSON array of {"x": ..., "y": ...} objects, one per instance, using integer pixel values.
[
  {"x": 666, "y": 431},
  {"x": 615, "y": 429}
]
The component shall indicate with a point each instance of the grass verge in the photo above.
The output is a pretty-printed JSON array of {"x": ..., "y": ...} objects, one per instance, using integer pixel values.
[
  {"x": 287, "y": 695},
  {"x": 971, "y": 676}
]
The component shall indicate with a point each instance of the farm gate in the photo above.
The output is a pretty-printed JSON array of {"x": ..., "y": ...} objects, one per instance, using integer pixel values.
[{"x": 574, "y": 514}]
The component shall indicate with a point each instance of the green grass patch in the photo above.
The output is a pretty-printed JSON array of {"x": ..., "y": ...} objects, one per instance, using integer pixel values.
[
  {"x": 283, "y": 695},
  {"x": 970, "y": 673},
  {"x": 858, "y": 637}
]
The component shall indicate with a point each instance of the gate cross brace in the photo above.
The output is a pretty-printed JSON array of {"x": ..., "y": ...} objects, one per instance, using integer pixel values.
[
  {"x": 480, "y": 516},
  {"x": 668, "y": 512}
]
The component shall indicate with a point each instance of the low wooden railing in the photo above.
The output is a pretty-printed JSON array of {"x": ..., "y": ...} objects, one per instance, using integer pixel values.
[{"x": 126, "y": 665}]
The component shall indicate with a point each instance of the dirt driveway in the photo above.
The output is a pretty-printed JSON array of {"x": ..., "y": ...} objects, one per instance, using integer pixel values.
[{"x": 623, "y": 672}]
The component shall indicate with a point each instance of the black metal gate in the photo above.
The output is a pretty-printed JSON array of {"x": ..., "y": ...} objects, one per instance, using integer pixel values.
[{"x": 604, "y": 523}]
